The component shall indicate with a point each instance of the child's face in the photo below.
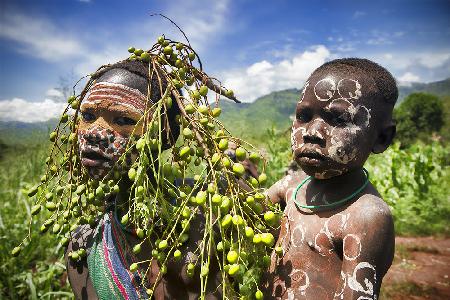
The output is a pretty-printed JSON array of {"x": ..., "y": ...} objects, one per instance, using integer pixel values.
[
  {"x": 109, "y": 116},
  {"x": 336, "y": 122}
]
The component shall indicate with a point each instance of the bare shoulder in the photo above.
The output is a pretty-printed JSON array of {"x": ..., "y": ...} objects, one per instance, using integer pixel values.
[
  {"x": 277, "y": 192},
  {"x": 371, "y": 207},
  {"x": 372, "y": 216}
]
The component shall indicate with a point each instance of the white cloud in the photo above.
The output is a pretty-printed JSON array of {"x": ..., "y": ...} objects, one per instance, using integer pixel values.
[
  {"x": 264, "y": 77},
  {"x": 38, "y": 37},
  {"x": 408, "y": 78},
  {"x": 54, "y": 93},
  {"x": 201, "y": 20},
  {"x": 24, "y": 111}
]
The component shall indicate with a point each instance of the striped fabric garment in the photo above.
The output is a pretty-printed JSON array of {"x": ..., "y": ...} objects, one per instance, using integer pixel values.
[{"x": 108, "y": 263}]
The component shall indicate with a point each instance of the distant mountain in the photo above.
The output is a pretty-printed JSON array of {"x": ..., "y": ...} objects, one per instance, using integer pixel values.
[
  {"x": 439, "y": 88},
  {"x": 16, "y": 132}
]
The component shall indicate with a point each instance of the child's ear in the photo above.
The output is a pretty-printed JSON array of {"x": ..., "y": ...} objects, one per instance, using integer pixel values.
[{"x": 385, "y": 137}]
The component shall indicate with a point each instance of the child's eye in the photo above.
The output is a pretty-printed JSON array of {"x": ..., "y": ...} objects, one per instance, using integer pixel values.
[
  {"x": 303, "y": 116},
  {"x": 341, "y": 119},
  {"x": 87, "y": 116},
  {"x": 122, "y": 121}
]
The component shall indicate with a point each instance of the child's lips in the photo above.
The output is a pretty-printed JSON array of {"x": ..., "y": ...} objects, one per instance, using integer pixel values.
[
  {"x": 310, "y": 157},
  {"x": 91, "y": 158}
]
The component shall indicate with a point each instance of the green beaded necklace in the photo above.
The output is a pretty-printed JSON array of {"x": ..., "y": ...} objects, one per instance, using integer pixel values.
[{"x": 331, "y": 205}]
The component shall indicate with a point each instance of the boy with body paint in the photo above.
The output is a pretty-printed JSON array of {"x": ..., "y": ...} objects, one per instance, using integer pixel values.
[
  {"x": 111, "y": 114},
  {"x": 337, "y": 235}
]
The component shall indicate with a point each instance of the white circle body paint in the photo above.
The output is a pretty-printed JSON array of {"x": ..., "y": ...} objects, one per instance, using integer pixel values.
[
  {"x": 355, "y": 93},
  {"x": 329, "y": 85},
  {"x": 356, "y": 240}
]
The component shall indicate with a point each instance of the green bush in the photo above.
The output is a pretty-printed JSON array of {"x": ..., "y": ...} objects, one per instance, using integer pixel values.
[
  {"x": 418, "y": 117},
  {"x": 415, "y": 182}
]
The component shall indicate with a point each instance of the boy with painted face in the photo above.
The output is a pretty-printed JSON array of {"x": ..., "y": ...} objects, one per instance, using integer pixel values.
[
  {"x": 111, "y": 114},
  {"x": 337, "y": 237}
]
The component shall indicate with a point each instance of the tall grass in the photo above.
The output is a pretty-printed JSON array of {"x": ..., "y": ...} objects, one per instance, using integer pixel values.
[{"x": 39, "y": 270}]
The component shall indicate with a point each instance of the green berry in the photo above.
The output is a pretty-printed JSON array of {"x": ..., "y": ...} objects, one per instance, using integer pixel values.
[
  {"x": 257, "y": 239},
  {"x": 189, "y": 109},
  {"x": 16, "y": 251},
  {"x": 53, "y": 135},
  {"x": 200, "y": 199},
  {"x": 71, "y": 99},
  {"x": 140, "y": 233},
  {"x": 185, "y": 151},
  {"x": 203, "y": 90},
  {"x": 232, "y": 256},
  {"x": 131, "y": 49},
  {"x": 191, "y": 56},
  {"x": 270, "y": 218},
  {"x": 75, "y": 104},
  {"x": 51, "y": 206},
  {"x": 204, "y": 271},
  {"x": 223, "y": 145},
  {"x": 267, "y": 239},
  {"x": 226, "y": 162},
  {"x": 279, "y": 250},
  {"x": 238, "y": 169},
  {"x": 203, "y": 109},
  {"x": 132, "y": 174},
  {"x": 226, "y": 221},
  {"x": 229, "y": 93},
  {"x": 179, "y": 46},
  {"x": 31, "y": 192},
  {"x": 249, "y": 232},
  {"x": 35, "y": 209},
  {"x": 168, "y": 50},
  {"x": 137, "y": 249},
  {"x": 216, "y": 199},
  {"x": 254, "y": 157},
  {"x": 140, "y": 144},
  {"x": 238, "y": 220},
  {"x": 124, "y": 219},
  {"x": 187, "y": 133},
  {"x": 138, "y": 52},
  {"x": 163, "y": 244},
  {"x": 233, "y": 270},
  {"x": 216, "y": 112},
  {"x": 262, "y": 179},
  {"x": 161, "y": 39},
  {"x": 196, "y": 95},
  {"x": 64, "y": 118},
  {"x": 133, "y": 267},
  {"x": 241, "y": 154},
  {"x": 259, "y": 295},
  {"x": 168, "y": 102},
  {"x": 177, "y": 254}
]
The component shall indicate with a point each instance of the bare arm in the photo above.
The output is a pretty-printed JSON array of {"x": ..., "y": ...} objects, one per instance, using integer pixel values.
[{"x": 368, "y": 250}]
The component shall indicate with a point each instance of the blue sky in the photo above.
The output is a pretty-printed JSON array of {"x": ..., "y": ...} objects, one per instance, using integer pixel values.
[{"x": 254, "y": 47}]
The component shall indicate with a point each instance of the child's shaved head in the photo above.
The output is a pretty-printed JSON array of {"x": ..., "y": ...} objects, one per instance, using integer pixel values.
[{"x": 384, "y": 80}]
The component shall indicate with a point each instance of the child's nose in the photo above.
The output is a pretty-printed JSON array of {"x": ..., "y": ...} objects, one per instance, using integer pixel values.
[{"x": 315, "y": 133}]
